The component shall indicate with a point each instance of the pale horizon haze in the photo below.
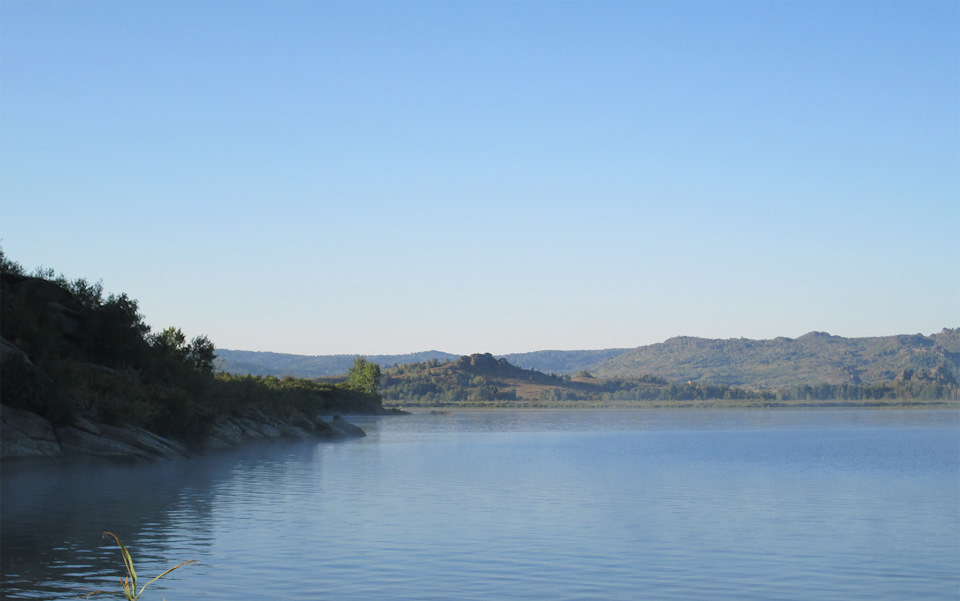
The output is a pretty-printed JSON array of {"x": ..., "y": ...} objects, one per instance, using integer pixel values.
[{"x": 393, "y": 177}]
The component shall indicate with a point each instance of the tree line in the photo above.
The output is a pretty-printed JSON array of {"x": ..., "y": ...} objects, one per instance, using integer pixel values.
[
  {"x": 444, "y": 384},
  {"x": 69, "y": 348}
]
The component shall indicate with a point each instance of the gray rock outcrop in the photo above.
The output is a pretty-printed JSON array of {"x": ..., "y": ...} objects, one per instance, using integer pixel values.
[
  {"x": 343, "y": 428},
  {"x": 26, "y": 435},
  {"x": 235, "y": 431}
]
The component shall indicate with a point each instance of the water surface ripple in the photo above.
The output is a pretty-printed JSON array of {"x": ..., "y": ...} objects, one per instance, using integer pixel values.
[{"x": 565, "y": 506}]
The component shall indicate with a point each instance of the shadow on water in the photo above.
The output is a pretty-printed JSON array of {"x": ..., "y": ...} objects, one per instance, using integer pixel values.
[{"x": 52, "y": 516}]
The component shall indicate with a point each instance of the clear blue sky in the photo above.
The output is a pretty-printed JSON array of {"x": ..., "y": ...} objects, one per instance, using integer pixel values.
[{"x": 340, "y": 177}]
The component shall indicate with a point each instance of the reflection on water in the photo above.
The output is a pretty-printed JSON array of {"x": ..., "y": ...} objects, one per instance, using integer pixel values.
[
  {"x": 564, "y": 505},
  {"x": 53, "y": 517}
]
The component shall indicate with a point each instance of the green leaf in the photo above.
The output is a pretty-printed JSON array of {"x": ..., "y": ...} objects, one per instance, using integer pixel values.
[
  {"x": 164, "y": 574},
  {"x": 130, "y": 584},
  {"x": 127, "y": 559}
]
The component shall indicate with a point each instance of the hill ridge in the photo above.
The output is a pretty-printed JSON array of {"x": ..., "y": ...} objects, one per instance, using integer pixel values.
[{"x": 814, "y": 357}]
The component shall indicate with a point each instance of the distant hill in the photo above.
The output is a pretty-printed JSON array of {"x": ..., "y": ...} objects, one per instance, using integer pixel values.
[
  {"x": 317, "y": 366},
  {"x": 481, "y": 380},
  {"x": 311, "y": 366},
  {"x": 562, "y": 362},
  {"x": 484, "y": 380},
  {"x": 813, "y": 358}
]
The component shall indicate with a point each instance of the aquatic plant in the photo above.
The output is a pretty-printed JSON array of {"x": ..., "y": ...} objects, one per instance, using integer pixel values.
[{"x": 129, "y": 583}]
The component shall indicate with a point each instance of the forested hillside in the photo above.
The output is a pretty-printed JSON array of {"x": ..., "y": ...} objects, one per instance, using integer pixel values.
[
  {"x": 813, "y": 358},
  {"x": 482, "y": 380},
  {"x": 70, "y": 352}
]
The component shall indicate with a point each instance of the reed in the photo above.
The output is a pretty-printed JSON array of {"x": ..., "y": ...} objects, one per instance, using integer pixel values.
[{"x": 129, "y": 582}]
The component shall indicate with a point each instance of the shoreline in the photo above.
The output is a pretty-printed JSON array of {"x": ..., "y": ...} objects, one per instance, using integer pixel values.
[
  {"x": 938, "y": 405},
  {"x": 27, "y": 436}
]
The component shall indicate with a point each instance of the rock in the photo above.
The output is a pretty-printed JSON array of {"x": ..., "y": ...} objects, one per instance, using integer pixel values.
[
  {"x": 904, "y": 376},
  {"x": 26, "y": 434},
  {"x": 292, "y": 430},
  {"x": 76, "y": 441},
  {"x": 345, "y": 429},
  {"x": 145, "y": 440},
  {"x": 226, "y": 434},
  {"x": 235, "y": 431},
  {"x": 261, "y": 428},
  {"x": 942, "y": 374},
  {"x": 9, "y": 351},
  {"x": 82, "y": 423}
]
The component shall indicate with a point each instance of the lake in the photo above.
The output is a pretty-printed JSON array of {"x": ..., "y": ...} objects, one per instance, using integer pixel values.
[{"x": 558, "y": 506}]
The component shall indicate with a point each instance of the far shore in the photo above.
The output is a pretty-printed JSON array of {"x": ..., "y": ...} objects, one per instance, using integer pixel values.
[{"x": 718, "y": 405}]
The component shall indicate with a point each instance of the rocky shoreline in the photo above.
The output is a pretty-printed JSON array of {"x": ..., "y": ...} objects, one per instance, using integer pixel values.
[{"x": 28, "y": 436}]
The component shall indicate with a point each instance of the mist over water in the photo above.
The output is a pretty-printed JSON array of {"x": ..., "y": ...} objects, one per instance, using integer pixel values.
[{"x": 513, "y": 505}]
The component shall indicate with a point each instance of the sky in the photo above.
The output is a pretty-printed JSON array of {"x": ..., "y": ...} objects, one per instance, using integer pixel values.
[{"x": 393, "y": 177}]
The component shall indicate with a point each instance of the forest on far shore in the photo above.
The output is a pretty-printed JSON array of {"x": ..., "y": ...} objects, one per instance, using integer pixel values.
[{"x": 482, "y": 380}]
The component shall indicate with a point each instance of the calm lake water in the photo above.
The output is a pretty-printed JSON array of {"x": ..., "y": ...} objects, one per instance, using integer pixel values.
[{"x": 805, "y": 505}]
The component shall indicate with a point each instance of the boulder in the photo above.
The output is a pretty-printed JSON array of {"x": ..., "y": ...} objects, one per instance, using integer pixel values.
[
  {"x": 345, "y": 429},
  {"x": 226, "y": 434}
]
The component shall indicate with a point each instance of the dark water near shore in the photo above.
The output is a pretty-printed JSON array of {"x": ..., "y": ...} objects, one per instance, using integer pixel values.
[{"x": 561, "y": 506}]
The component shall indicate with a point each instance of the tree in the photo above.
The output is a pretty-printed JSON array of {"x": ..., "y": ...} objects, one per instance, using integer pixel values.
[
  {"x": 172, "y": 341},
  {"x": 364, "y": 375},
  {"x": 202, "y": 354},
  {"x": 113, "y": 332},
  {"x": 10, "y": 266}
]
